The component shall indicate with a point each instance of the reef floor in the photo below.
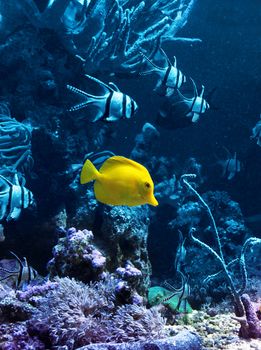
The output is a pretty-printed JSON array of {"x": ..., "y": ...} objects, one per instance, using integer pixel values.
[{"x": 217, "y": 332}]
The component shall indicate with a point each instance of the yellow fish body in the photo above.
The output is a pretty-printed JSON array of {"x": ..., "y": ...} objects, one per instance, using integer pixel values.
[{"x": 120, "y": 181}]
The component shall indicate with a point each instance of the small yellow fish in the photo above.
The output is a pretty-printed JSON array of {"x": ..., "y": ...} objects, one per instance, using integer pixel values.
[{"x": 120, "y": 181}]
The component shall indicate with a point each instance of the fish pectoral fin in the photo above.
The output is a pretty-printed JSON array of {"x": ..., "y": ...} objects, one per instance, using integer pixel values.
[
  {"x": 195, "y": 117},
  {"x": 80, "y": 106},
  {"x": 111, "y": 118},
  {"x": 99, "y": 116},
  {"x": 89, "y": 172},
  {"x": 81, "y": 93}
]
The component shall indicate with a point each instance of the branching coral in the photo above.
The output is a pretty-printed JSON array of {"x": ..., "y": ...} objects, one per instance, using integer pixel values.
[
  {"x": 75, "y": 315},
  {"x": 242, "y": 302},
  {"x": 109, "y": 34}
]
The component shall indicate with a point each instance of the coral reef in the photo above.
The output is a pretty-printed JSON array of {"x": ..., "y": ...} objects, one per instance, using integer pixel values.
[
  {"x": 75, "y": 315},
  {"x": 109, "y": 34},
  {"x": 44, "y": 49},
  {"x": 241, "y": 301},
  {"x": 15, "y": 336},
  {"x": 124, "y": 232},
  {"x": 33, "y": 294},
  {"x": 250, "y": 325},
  {"x": 75, "y": 256},
  {"x": 13, "y": 310}
]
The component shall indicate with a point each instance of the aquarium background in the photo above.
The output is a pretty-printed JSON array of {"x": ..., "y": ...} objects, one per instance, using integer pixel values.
[{"x": 226, "y": 60}]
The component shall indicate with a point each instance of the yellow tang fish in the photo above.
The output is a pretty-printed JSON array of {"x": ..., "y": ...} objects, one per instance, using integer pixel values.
[{"x": 120, "y": 181}]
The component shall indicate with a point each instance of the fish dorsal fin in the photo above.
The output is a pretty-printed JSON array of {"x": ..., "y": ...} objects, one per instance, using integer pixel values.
[
  {"x": 16, "y": 180},
  {"x": 151, "y": 63},
  {"x": 229, "y": 155},
  {"x": 6, "y": 181},
  {"x": 202, "y": 91},
  {"x": 166, "y": 57},
  {"x": 114, "y": 86},
  {"x": 100, "y": 82},
  {"x": 17, "y": 258},
  {"x": 195, "y": 88},
  {"x": 82, "y": 93},
  {"x": 182, "y": 97},
  {"x": 120, "y": 161},
  {"x": 174, "y": 62}
]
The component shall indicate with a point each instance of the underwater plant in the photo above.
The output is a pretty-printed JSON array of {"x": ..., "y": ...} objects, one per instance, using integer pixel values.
[{"x": 250, "y": 327}]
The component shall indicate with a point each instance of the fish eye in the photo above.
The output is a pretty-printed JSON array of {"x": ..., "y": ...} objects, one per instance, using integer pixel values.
[{"x": 147, "y": 185}]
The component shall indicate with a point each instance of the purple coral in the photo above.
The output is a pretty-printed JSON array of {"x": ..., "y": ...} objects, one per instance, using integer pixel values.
[
  {"x": 130, "y": 279},
  {"x": 128, "y": 272},
  {"x": 75, "y": 315},
  {"x": 250, "y": 325},
  {"x": 33, "y": 293},
  {"x": 15, "y": 337},
  {"x": 75, "y": 256}
]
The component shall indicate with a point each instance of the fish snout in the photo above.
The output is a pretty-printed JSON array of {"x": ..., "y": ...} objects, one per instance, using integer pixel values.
[{"x": 153, "y": 201}]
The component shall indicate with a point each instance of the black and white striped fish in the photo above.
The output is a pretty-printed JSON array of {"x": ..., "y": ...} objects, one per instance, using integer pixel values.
[
  {"x": 180, "y": 253},
  {"x": 231, "y": 166},
  {"x": 182, "y": 293},
  {"x": 111, "y": 107},
  {"x": 23, "y": 276},
  {"x": 170, "y": 77},
  {"x": 196, "y": 105},
  {"x": 98, "y": 158},
  {"x": 13, "y": 199}
]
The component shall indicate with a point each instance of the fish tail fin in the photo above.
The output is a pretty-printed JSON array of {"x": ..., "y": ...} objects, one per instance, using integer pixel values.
[{"x": 89, "y": 172}]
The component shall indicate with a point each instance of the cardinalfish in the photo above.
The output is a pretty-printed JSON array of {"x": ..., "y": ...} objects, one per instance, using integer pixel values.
[
  {"x": 181, "y": 253},
  {"x": 170, "y": 77},
  {"x": 13, "y": 198},
  {"x": 231, "y": 166},
  {"x": 23, "y": 276},
  {"x": 182, "y": 294},
  {"x": 196, "y": 105},
  {"x": 120, "y": 181},
  {"x": 110, "y": 107}
]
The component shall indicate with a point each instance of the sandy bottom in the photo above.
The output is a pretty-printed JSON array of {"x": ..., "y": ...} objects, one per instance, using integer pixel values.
[{"x": 217, "y": 332}]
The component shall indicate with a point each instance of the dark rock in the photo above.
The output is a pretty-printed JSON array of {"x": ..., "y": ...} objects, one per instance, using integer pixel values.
[
  {"x": 185, "y": 340},
  {"x": 12, "y": 310}
]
